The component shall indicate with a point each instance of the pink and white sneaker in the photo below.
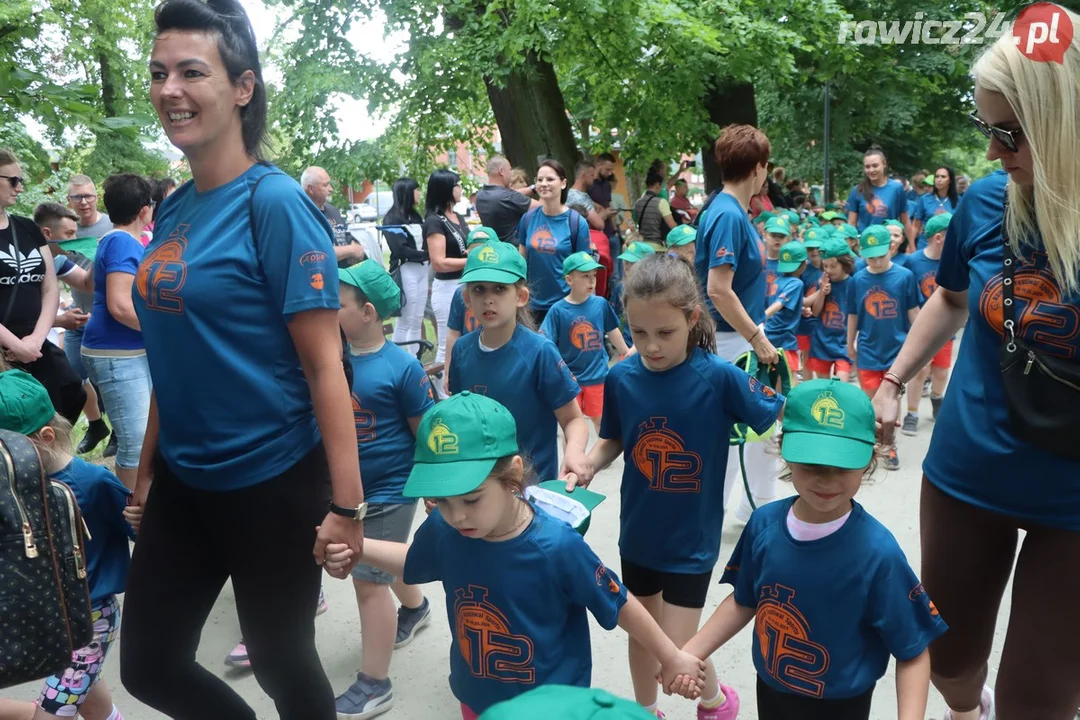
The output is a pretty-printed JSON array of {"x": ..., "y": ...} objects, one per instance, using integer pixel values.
[
  {"x": 728, "y": 711},
  {"x": 238, "y": 658},
  {"x": 986, "y": 706}
]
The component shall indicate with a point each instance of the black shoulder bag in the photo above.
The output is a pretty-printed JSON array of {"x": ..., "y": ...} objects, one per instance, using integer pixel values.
[{"x": 1042, "y": 393}]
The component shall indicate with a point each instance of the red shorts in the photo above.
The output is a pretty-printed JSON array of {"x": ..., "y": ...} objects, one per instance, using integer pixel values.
[
  {"x": 804, "y": 342},
  {"x": 871, "y": 379},
  {"x": 944, "y": 357},
  {"x": 467, "y": 713},
  {"x": 591, "y": 400},
  {"x": 825, "y": 367},
  {"x": 792, "y": 360}
]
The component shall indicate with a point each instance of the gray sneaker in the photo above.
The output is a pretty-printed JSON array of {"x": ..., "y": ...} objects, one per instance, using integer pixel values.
[
  {"x": 892, "y": 461},
  {"x": 911, "y": 424},
  {"x": 409, "y": 622},
  {"x": 935, "y": 403},
  {"x": 365, "y": 698}
]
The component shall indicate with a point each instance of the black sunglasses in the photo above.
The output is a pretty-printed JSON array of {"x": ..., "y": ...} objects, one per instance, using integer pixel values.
[
  {"x": 1008, "y": 138},
  {"x": 15, "y": 180}
]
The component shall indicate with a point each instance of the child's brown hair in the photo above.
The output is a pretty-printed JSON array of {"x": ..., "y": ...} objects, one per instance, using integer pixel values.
[
  {"x": 511, "y": 477},
  {"x": 785, "y": 470},
  {"x": 524, "y": 315},
  {"x": 63, "y": 444},
  {"x": 673, "y": 280}
]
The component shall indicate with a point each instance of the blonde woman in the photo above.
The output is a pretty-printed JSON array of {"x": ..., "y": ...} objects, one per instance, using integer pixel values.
[{"x": 987, "y": 475}]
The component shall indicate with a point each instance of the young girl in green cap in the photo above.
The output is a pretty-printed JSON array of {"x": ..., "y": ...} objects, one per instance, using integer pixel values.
[
  {"x": 828, "y": 587},
  {"x": 518, "y": 582}
]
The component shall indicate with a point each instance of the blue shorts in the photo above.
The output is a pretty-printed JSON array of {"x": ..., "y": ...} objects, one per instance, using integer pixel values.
[{"x": 64, "y": 693}]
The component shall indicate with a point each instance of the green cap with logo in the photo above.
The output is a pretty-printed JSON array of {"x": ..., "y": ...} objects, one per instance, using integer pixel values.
[
  {"x": 815, "y": 237},
  {"x": 791, "y": 216},
  {"x": 828, "y": 422},
  {"x": 779, "y": 226},
  {"x": 847, "y": 230},
  {"x": 764, "y": 217},
  {"x": 829, "y": 215},
  {"x": 892, "y": 222},
  {"x": 458, "y": 442},
  {"x": 25, "y": 406},
  {"x": 549, "y": 702},
  {"x": 376, "y": 284},
  {"x": 936, "y": 224},
  {"x": 495, "y": 262},
  {"x": 875, "y": 241},
  {"x": 481, "y": 233},
  {"x": 580, "y": 261},
  {"x": 792, "y": 255},
  {"x": 637, "y": 251},
  {"x": 836, "y": 247},
  {"x": 681, "y": 235}
]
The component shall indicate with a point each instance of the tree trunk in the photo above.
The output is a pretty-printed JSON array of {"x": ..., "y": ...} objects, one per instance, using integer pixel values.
[
  {"x": 108, "y": 85},
  {"x": 728, "y": 103},
  {"x": 532, "y": 118}
]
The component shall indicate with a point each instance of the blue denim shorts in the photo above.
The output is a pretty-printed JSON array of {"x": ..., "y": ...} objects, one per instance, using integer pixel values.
[
  {"x": 73, "y": 351},
  {"x": 124, "y": 384}
]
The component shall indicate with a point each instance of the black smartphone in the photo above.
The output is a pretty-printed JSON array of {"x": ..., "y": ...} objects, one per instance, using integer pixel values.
[{"x": 692, "y": 163}]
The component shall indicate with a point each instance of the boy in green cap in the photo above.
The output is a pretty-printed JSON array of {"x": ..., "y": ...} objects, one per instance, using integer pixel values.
[
  {"x": 924, "y": 265},
  {"x": 461, "y": 319},
  {"x": 777, "y": 234},
  {"x": 812, "y": 277},
  {"x": 519, "y": 584},
  {"x": 761, "y": 220},
  {"x": 633, "y": 253},
  {"x": 682, "y": 242},
  {"x": 776, "y": 575},
  {"x": 390, "y": 393},
  {"x": 882, "y": 305},
  {"x": 578, "y": 324},
  {"x": 785, "y": 303},
  {"x": 828, "y": 340}
]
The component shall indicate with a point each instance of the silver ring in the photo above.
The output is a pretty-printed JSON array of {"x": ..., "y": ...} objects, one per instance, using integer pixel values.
[
  {"x": 1007, "y": 281},
  {"x": 1011, "y": 347},
  {"x": 1008, "y": 261},
  {"x": 1008, "y": 301}
]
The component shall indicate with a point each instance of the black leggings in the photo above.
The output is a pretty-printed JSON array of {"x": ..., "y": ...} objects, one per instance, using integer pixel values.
[
  {"x": 191, "y": 541},
  {"x": 775, "y": 705},
  {"x": 65, "y": 386},
  {"x": 967, "y": 557}
]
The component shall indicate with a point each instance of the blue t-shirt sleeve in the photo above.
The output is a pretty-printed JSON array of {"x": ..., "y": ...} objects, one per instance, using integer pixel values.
[
  {"x": 550, "y": 327},
  {"x": 557, "y": 383},
  {"x": 295, "y": 248},
  {"x": 953, "y": 271},
  {"x": 588, "y": 583},
  {"x": 610, "y": 424},
  {"x": 456, "y": 321},
  {"x": 726, "y": 240},
  {"x": 790, "y": 293},
  {"x": 739, "y": 571},
  {"x": 852, "y": 204},
  {"x": 748, "y": 400},
  {"x": 912, "y": 296},
  {"x": 122, "y": 254},
  {"x": 63, "y": 265},
  {"x": 900, "y": 610},
  {"x": 611, "y": 320},
  {"x": 901, "y": 201},
  {"x": 414, "y": 398},
  {"x": 423, "y": 561}
]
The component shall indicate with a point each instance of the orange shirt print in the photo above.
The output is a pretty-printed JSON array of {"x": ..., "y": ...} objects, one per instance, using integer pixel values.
[
  {"x": 791, "y": 657},
  {"x": 660, "y": 455},
  {"x": 162, "y": 273},
  {"x": 880, "y": 305},
  {"x": 486, "y": 642},
  {"x": 584, "y": 336},
  {"x": 543, "y": 241}
]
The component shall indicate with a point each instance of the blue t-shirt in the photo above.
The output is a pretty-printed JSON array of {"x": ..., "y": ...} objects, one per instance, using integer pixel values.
[
  {"x": 517, "y": 608},
  {"x": 528, "y": 376},
  {"x": 389, "y": 387},
  {"x": 101, "y": 498},
  {"x": 925, "y": 271},
  {"x": 811, "y": 280},
  {"x": 888, "y": 203},
  {"x": 829, "y": 640},
  {"x": 232, "y": 398},
  {"x": 997, "y": 471},
  {"x": 828, "y": 341},
  {"x": 672, "y": 497},
  {"x": 780, "y": 328},
  {"x": 578, "y": 331},
  {"x": 461, "y": 318},
  {"x": 726, "y": 237},
  {"x": 548, "y": 243},
  {"x": 771, "y": 274},
  {"x": 902, "y": 259},
  {"x": 882, "y": 303},
  {"x": 928, "y": 206},
  {"x": 118, "y": 252}
]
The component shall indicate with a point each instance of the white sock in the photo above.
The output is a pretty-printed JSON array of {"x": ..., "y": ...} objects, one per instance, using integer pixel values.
[
  {"x": 115, "y": 714},
  {"x": 913, "y": 413}
]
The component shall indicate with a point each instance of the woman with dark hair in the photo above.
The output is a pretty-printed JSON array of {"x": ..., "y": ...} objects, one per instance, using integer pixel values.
[
  {"x": 943, "y": 199},
  {"x": 445, "y": 236},
  {"x": 549, "y": 234},
  {"x": 877, "y": 198},
  {"x": 408, "y": 259},
  {"x": 250, "y": 422}
]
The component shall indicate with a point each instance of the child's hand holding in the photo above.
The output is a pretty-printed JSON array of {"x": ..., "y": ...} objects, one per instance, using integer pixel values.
[
  {"x": 338, "y": 561},
  {"x": 683, "y": 674},
  {"x": 685, "y": 686},
  {"x": 580, "y": 464}
]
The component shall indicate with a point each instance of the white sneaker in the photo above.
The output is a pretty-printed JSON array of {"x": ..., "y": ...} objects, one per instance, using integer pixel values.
[{"x": 986, "y": 705}]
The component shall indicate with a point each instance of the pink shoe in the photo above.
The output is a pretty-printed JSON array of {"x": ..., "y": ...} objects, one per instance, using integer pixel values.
[
  {"x": 986, "y": 706},
  {"x": 728, "y": 711}
]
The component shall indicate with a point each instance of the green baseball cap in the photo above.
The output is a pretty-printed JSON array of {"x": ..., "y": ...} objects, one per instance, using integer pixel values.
[
  {"x": 481, "y": 233},
  {"x": 815, "y": 238},
  {"x": 875, "y": 241},
  {"x": 681, "y": 235},
  {"x": 574, "y": 508},
  {"x": 780, "y": 226},
  {"x": 567, "y": 703},
  {"x": 836, "y": 247},
  {"x": 828, "y": 422},
  {"x": 25, "y": 406},
  {"x": 765, "y": 216},
  {"x": 495, "y": 262},
  {"x": 637, "y": 251},
  {"x": 936, "y": 224},
  {"x": 83, "y": 246},
  {"x": 829, "y": 215},
  {"x": 834, "y": 206},
  {"x": 581, "y": 261},
  {"x": 847, "y": 231},
  {"x": 376, "y": 284},
  {"x": 928, "y": 180},
  {"x": 811, "y": 220},
  {"x": 891, "y": 222},
  {"x": 792, "y": 216},
  {"x": 458, "y": 442},
  {"x": 792, "y": 256}
]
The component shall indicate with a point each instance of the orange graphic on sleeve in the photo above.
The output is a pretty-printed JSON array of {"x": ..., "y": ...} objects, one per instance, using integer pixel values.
[
  {"x": 313, "y": 262},
  {"x": 486, "y": 642},
  {"x": 920, "y": 592},
  {"x": 162, "y": 274},
  {"x": 783, "y": 635},
  {"x": 603, "y": 575},
  {"x": 584, "y": 336},
  {"x": 880, "y": 305},
  {"x": 661, "y": 456}
]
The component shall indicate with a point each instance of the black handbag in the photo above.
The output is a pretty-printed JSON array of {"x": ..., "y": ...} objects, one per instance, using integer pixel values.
[
  {"x": 1042, "y": 392},
  {"x": 44, "y": 597}
]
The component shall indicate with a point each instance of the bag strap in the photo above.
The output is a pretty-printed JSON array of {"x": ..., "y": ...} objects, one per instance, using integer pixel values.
[
  {"x": 1007, "y": 275},
  {"x": 643, "y": 209},
  {"x": 15, "y": 288}
]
